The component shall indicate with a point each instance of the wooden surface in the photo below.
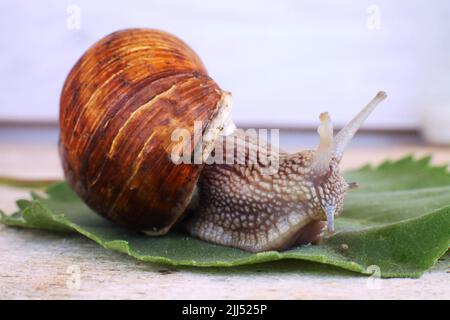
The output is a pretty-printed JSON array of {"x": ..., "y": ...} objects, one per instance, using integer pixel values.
[{"x": 42, "y": 265}]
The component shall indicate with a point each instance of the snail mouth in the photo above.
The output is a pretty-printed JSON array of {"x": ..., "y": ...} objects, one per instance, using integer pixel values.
[
  {"x": 325, "y": 215},
  {"x": 311, "y": 233}
]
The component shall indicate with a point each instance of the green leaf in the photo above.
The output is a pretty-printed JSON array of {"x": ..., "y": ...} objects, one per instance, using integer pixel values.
[{"x": 398, "y": 221}]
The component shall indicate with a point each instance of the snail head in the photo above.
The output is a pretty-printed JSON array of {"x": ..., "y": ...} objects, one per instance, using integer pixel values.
[{"x": 322, "y": 183}]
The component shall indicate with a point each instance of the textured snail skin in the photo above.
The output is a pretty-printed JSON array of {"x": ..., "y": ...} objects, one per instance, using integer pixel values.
[
  {"x": 119, "y": 106},
  {"x": 242, "y": 207}
]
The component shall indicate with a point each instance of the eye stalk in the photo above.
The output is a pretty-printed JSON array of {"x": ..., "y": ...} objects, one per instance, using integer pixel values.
[
  {"x": 334, "y": 147},
  {"x": 343, "y": 138},
  {"x": 324, "y": 153}
]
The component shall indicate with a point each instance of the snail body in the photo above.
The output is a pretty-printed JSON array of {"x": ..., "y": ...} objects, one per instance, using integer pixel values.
[{"x": 119, "y": 107}]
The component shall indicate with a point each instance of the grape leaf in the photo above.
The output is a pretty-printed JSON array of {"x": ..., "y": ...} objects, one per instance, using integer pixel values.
[{"x": 397, "y": 222}]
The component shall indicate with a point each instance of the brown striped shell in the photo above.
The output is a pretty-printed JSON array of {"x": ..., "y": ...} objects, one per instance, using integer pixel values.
[{"x": 119, "y": 106}]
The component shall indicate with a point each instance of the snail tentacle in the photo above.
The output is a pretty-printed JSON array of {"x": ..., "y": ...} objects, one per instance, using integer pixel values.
[
  {"x": 346, "y": 134},
  {"x": 324, "y": 152}
]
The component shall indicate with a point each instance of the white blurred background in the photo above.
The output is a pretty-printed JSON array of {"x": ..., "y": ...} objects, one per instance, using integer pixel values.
[{"x": 284, "y": 61}]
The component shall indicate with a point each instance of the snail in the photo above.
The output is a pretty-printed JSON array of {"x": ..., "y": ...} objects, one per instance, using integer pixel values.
[{"x": 119, "y": 108}]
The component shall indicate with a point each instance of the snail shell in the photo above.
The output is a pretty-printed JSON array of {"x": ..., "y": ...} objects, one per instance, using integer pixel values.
[{"x": 119, "y": 106}]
